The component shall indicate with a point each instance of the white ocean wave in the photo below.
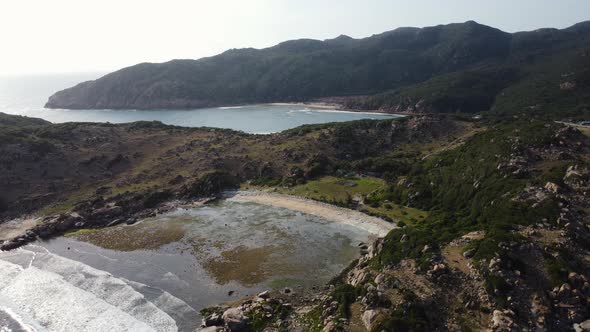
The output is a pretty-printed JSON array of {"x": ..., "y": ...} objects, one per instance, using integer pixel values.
[
  {"x": 230, "y": 107},
  {"x": 15, "y": 322},
  {"x": 65, "y": 295}
]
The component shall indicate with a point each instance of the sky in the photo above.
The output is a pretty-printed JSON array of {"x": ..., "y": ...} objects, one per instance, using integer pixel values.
[{"x": 49, "y": 36}]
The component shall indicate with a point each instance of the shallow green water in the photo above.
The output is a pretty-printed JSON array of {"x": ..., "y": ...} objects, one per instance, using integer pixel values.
[{"x": 200, "y": 255}]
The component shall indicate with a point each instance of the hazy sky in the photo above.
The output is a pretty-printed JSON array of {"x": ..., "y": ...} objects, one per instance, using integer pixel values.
[{"x": 104, "y": 35}]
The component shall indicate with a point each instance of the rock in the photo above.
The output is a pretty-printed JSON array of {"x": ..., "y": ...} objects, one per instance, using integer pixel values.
[
  {"x": 375, "y": 247},
  {"x": 567, "y": 86},
  {"x": 502, "y": 320},
  {"x": 369, "y": 318},
  {"x": 582, "y": 327},
  {"x": 213, "y": 320},
  {"x": 380, "y": 279},
  {"x": 469, "y": 253},
  {"x": 114, "y": 222},
  {"x": 107, "y": 212},
  {"x": 576, "y": 280},
  {"x": 576, "y": 177},
  {"x": 357, "y": 277},
  {"x": 516, "y": 166},
  {"x": 130, "y": 221},
  {"x": 439, "y": 268},
  {"x": 564, "y": 291},
  {"x": 329, "y": 327},
  {"x": 235, "y": 319},
  {"x": 264, "y": 295},
  {"x": 552, "y": 187},
  {"x": 494, "y": 263}
]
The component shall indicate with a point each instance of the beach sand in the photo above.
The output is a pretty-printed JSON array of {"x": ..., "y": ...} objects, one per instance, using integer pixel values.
[{"x": 374, "y": 225}]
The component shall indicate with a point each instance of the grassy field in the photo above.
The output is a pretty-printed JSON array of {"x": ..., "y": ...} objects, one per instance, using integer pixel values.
[
  {"x": 336, "y": 189},
  {"x": 398, "y": 213}
]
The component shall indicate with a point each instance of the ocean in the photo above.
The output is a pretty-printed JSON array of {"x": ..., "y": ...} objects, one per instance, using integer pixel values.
[{"x": 27, "y": 95}]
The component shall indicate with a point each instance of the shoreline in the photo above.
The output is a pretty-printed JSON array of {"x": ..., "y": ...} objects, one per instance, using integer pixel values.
[
  {"x": 336, "y": 108},
  {"x": 373, "y": 225}
]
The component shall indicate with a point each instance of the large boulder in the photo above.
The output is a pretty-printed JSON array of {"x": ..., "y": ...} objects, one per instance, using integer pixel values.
[
  {"x": 370, "y": 317},
  {"x": 235, "y": 320},
  {"x": 502, "y": 321}
]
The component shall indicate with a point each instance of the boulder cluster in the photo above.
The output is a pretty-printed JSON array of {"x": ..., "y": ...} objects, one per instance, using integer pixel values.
[{"x": 261, "y": 311}]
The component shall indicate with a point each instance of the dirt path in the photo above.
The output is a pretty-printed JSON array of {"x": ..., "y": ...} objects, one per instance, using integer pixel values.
[{"x": 370, "y": 224}]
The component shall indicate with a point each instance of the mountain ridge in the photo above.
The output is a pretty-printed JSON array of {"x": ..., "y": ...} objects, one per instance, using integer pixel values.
[{"x": 305, "y": 69}]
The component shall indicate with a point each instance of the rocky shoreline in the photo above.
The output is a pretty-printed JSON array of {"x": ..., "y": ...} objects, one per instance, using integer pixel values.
[
  {"x": 286, "y": 310},
  {"x": 99, "y": 215}
]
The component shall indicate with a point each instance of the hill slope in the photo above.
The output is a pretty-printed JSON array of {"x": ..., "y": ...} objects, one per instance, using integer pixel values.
[{"x": 305, "y": 69}]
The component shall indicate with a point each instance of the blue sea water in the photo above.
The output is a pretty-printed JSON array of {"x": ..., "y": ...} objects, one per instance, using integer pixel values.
[{"x": 26, "y": 96}]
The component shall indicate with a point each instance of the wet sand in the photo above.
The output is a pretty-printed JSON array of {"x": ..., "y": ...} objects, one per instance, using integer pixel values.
[{"x": 373, "y": 225}]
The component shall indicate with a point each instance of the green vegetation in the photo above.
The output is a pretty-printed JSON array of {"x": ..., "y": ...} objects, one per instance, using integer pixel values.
[
  {"x": 295, "y": 70},
  {"x": 80, "y": 232},
  {"x": 345, "y": 295},
  {"x": 410, "y": 317},
  {"x": 258, "y": 320},
  {"x": 346, "y": 192},
  {"x": 469, "y": 91},
  {"x": 464, "y": 191},
  {"x": 20, "y": 121},
  {"x": 336, "y": 189},
  {"x": 313, "y": 320},
  {"x": 448, "y": 68},
  {"x": 211, "y": 183},
  {"x": 401, "y": 214}
]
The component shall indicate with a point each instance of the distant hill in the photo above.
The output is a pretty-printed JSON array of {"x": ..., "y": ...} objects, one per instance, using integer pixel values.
[
  {"x": 20, "y": 121},
  {"x": 431, "y": 67}
]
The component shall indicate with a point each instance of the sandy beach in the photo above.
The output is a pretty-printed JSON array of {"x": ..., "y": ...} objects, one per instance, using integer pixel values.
[
  {"x": 374, "y": 225},
  {"x": 310, "y": 105}
]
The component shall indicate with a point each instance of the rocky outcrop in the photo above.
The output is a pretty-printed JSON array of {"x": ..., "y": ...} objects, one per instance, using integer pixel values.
[
  {"x": 235, "y": 319},
  {"x": 262, "y": 310},
  {"x": 577, "y": 177},
  {"x": 370, "y": 317}
]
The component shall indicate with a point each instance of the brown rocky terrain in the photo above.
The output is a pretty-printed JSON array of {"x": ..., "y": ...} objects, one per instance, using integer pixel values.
[
  {"x": 535, "y": 281},
  {"x": 504, "y": 248},
  {"x": 85, "y": 175}
]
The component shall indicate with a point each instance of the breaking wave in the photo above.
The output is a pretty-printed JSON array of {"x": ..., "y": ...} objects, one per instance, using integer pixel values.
[{"x": 59, "y": 294}]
